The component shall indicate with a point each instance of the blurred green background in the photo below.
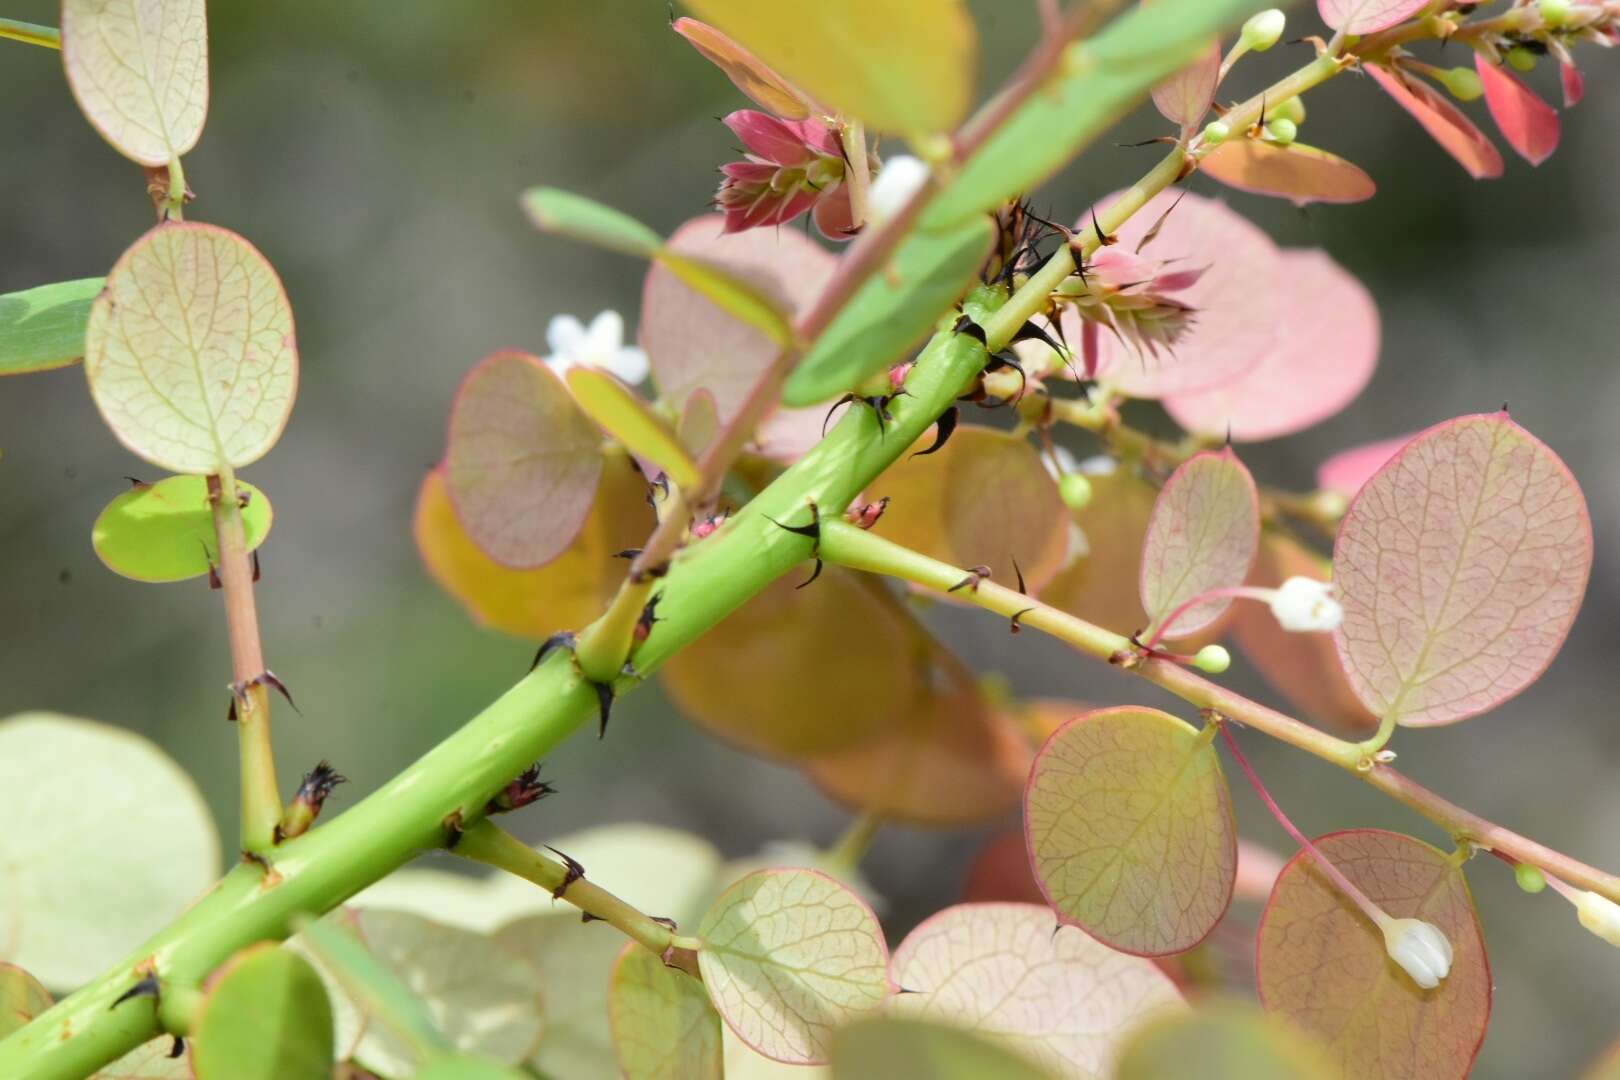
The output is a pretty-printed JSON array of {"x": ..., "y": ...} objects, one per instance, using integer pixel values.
[{"x": 374, "y": 152}]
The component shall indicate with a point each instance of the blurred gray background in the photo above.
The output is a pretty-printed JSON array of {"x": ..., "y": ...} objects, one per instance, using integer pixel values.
[{"x": 374, "y": 151}]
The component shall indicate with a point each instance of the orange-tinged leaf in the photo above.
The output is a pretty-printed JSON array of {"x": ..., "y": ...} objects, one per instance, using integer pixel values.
[
  {"x": 1303, "y": 667},
  {"x": 1224, "y": 1039},
  {"x": 567, "y": 592},
  {"x": 663, "y": 1025},
  {"x": 1203, "y": 536},
  {"x": 139, "y": 70},
  {"x": 1102, "y": 583},
  {"x": 189, "y": 350},
  {"x": 746, "y": 71},
  {"x": 983, "y": 499},
  {"x": 1296, "y": 172},
  {"x": 1321, "y": 963},
  {"x": 1000, "y": 871},
  {"x": 1445, "y": 123},
  {"x": 797, "y": 672},
  {"x": 1051, "y": 994},
  {"x": 1529, "y": 124},
  {"x": 22, "y": 998},
  {"x": 622, "y": 413},
  {"x": 790, "y": 955},
  {"x": 1460, "y": 565},
  {"x": 902, "y": 66},
  {"x": 1367, "y": 16},
  {"x": 1185, "y": 97},
  {"x": 1130, "y": 829},
  {"x": 522, "y": 461}
]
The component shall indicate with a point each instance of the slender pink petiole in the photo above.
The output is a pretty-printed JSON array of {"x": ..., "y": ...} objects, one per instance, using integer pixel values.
[
  {"x": 1240, "y": 592},
  {"x": 1345, "y": 885}
]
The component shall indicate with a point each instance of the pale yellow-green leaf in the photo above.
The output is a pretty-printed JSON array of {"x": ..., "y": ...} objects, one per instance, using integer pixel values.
[
  {"x": 21, "y": 998},
  {"x": 153, "y": 1060},
  {"x": 139, "y": 70},
  {"x": 94, "y": 861},
  {"x": 790, "y": 955},
  {"x": 663, "y": 1025},
  {"x": 190, "y": 350},
  {"x": 1222, "y": 1040},
  {"x": 570, "y": 963},
  {"x": 883, "y": 1047}
]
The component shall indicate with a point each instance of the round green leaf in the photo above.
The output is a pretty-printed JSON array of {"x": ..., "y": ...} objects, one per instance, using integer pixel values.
[
  {"x": 571, "y": 965},
  {"x": 139, "y": 71},
  {"x": 902, "y": 66},
  {"x": 43, "y": 328},
  {"x": 663, "y": 1025},
  {"x": 1130, "y": 829},
  {"x": 622, "y": 413},
  {"x": 1222, "y": 1040},
  {"x": 190, "y": 350},
  {"x": 882, "y": 1048},
  {"x": 102, "y": 856},
  {"x": 265, "y": 1017},
  {"x": 165, "y": 531},
  {"x": 1203, "y": 536},
  {"x": 1048, "y": 993},
  {"x": 21, "y": 998},
  {"x": 1321, "y": 963},
  {"x": 789, "y": 955},
  {"x": 523, "y": 461}
]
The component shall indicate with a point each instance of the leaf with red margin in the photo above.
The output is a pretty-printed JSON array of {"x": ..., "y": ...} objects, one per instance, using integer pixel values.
[
  {"x": 790, "y": 955},
  {"x": 1203, "y": 535},
  {"x": 1445, "y": 123},
  {"x": 1346, "y": 471},
  {"x": 1130, "y": 829},
  {"x": 1303, "y": 667},
  {"x": 1296, "y": 172},
  {"x": 1529, "y": 124},
  {"x": 746, "y": 71},
  {"x": 1321, "y": 360},
  {"x": 691, "y": 342},
  {"x": 1058, "y": 998},
  {"x": 1367, "y": 16},
  {"x": 1185, "y": 97},
  {"x": 663, "y": 1025},
  {"x": 1234, "y": 299},
  {"x": 522, "y": 462},
  {"x": 1322, "y": 964},
  {"x": 1460, "y": 565}
]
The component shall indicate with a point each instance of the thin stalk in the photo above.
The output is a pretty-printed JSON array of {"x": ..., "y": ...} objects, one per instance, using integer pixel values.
[
  {"x": 31, "y": 33},
  {"x": 175, "y": 207},
  {"x": 261, "y": 796},
  {"x": 859, "y": 178},
  {"x": 605, "y": 645},
  {"x": 846, "y": 854}
]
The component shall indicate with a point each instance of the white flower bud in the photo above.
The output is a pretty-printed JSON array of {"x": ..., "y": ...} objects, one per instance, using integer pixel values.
[
  {"x": 1420, "y": 948},
  {"x": 1600, "y": 915},
  {"x": 897, "y": 181},
  {"x": 1302, "y": 604},
  {"x": 1263, "y": 30}
]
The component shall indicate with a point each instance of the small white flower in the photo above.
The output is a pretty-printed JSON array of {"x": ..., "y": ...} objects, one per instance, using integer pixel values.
[
  {"x": 897, "y": 181},
  {"x": 1420, "y": 948},
  {"x": 1600, "y": 915},
  {"x": 600, "y": 345},
  {"x": 1303, "y": 604}
]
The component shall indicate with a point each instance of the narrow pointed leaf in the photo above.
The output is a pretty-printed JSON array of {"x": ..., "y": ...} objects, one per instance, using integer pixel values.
[
  {"x": 264, "y": 1016},
  {"x": 746, "y": 71},
  {"x": 1225, "y": 1039},
  {"x": 1296, "y": 172},
  {"x": 1529, "y": 124},
  {"x": 190, "y": 351},
  {"x": 522, "y": 462},
  {"x": 1154, "y": 873},
  {"x": 101, "y": 858},
  {"x": 790, "y": 955},
  {"x": 1446, "y": 124},
  {"x": 1367, "y": 16},
  {"x": 565, "y": 214},
  {"x": 882, "y": 1048},
  {"x": 889, "y": 313},
  {"x": 1048, "y": 993},
  {"x": 365, "y": 985},
  {"x": 1203, "y": 535},
  {"x": 1316, "y": 366},
  {"x": 1461, "y": 566},
  {"x": 622, "y": 413},
  {"x": 904, "y": 66},
  {"x": 22, "y": 998},
  {"x": 730, "y": 293},
  {"x": 165, "y": 531},
  {"x": 1321, "y": 963},
  {"x": 43, "y": 327},
  {"x": 663, "y": 1025},
  {"x": 139, "y": 70}
]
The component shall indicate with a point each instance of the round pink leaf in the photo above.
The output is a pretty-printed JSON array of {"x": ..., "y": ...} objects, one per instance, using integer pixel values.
[
  {"x": 1367, "y": 16},
  {"x": 1234, "y": 300},
  {"x": 1529, "y": 124},
  {"x": 1050, "y": 993},
  {"x": 1461, "y": 565},
  {"x": 1185, "y": 97},
  {"x": 1203, "y": 535},
  {"x": 1322, "y": 358},
  {"x": 522, "y": 462},
  {"x": 1346, "y": 471},
  {"x": 1445, "y": 123},
  {"x": 693, "y": 344}
]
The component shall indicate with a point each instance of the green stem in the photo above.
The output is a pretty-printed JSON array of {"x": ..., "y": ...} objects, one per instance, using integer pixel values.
[
  {"x": 845, "y": 856},
  {"x": 31, "y": 33},
  {"x": 174, "y": 208}
]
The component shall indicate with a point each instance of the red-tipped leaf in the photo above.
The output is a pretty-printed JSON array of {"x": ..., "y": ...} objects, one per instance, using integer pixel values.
[
  {"x": 1529, "y": 124},
  {"x": 1445, "y": 123}
]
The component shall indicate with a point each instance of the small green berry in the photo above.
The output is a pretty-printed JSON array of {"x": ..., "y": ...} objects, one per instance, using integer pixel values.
[
  {"x": 1521, "y": 59},
  {"x": 1462, "y": 83},
  {"x": 1282, "y": 132},
  {"x": 1529, "y": 878},
  {"x": 1554, "y": 12},
  {"x": 1075, "y": 490},
  {"x": 1292, "y": 110},
  {"x": 1216, "y": 132},
  {"x": 1212, "y": 658}
]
